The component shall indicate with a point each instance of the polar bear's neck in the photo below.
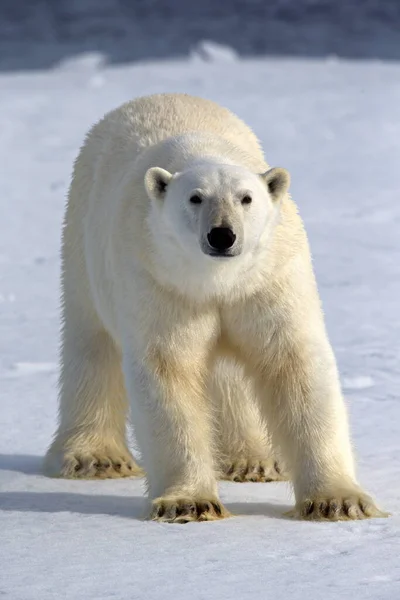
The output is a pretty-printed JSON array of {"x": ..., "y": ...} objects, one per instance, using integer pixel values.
[{"x": 206, "y": 280}]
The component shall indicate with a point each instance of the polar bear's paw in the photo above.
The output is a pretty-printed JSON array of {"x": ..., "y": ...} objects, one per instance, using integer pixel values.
[
  {"x": 243, "y": 470},
  {"x": 185, "y": 510},
  {"x": 343, "y": 506},
  {"x": 100, "y": 465},
  {"x": 106, "y": 464}
]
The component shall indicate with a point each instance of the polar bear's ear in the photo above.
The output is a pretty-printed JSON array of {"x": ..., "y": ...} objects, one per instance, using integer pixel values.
[
  {"x": 277, "y": 181},
  {"x": 156, "y": 182}
]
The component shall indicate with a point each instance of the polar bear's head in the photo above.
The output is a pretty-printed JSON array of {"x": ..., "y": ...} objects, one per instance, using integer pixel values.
[{"x": 216, "y": 210}]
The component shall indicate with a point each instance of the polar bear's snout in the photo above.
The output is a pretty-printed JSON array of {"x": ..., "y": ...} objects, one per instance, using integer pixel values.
[
  {"x": 221, "y": 240},
  {"x": 221, "y": 226}
]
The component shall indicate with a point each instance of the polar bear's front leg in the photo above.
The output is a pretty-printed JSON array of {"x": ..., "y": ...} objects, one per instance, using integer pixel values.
[
  {"x": 166, "y": 380},
  {"x": 308, "y": 419},
  {"x": 171, "y": 422},
  {"x": 285, "y": 343}
]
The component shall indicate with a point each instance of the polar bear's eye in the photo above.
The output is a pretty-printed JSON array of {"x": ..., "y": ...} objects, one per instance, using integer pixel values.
[
  {"x": 246, "y": 199},
  {"x": 195, "y": 199}
]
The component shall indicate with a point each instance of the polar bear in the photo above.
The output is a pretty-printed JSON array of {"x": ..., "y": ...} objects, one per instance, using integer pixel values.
[{"x": 188, "y": 289}]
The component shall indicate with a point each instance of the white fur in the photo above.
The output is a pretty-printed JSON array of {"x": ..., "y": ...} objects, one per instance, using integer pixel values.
[{"x": 207, "y": 345}]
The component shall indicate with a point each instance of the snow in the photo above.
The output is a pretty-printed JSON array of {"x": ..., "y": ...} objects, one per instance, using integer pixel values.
[{"x": 335, "y": 125}]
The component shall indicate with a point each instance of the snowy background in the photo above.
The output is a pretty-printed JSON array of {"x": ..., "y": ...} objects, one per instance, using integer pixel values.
[{"x": 319, "y": 82}]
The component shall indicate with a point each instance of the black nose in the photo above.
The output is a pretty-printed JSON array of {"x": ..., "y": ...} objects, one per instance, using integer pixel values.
[{"x": 221, "y": 238}]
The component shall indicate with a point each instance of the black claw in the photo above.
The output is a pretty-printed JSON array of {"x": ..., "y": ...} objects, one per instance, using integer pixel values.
[
  {"x": 217, "y": 508},
  {"x": 173, "y": 511},
  {"x": 180, "y": 510},
  {"x": 333, "y": 508},
  {"x": 346, "y": 507},
  {"x": 159, "y": 511},
  {"x": 308, "y": 507},
  {"x": 201, "y": 508},
  {"x": 277, "y": 467},
  {"x": 323, "y": 508}
]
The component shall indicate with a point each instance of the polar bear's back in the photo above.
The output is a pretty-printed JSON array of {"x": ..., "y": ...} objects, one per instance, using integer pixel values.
[{"x": 148, "y": 120}]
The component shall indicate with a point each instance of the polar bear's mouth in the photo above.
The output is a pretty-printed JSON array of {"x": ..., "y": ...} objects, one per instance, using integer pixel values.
[{"x": 221, "y": 254}]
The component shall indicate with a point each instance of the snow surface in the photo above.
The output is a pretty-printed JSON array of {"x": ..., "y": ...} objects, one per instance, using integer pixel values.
[{"x": 336, "y": 126}]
